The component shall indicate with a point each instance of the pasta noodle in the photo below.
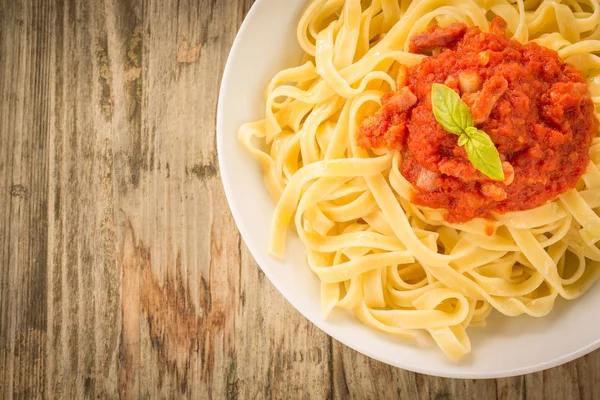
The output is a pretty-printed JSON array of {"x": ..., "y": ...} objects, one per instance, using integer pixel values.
[{"x": 402, "y": 268}]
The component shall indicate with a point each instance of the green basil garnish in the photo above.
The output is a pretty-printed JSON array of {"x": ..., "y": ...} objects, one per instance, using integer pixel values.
[{"x": 455, "y": 117}]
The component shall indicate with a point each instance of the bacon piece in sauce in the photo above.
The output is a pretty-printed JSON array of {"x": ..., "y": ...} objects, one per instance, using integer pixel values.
[
  {"x": 483, "y": 102},
  {"x": 437, "y": 37},
  {"x": 391, "y": 128}
]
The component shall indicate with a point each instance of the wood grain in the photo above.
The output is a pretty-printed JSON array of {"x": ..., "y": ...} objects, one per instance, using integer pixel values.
[{"x": 122, "y": 274}]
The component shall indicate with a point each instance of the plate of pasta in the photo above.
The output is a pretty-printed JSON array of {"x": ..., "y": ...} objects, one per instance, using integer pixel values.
[{"x": 421, "y": 178}]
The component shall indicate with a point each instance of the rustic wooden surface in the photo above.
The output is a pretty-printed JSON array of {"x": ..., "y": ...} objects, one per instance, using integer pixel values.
[{"x": 121, "y": 270}]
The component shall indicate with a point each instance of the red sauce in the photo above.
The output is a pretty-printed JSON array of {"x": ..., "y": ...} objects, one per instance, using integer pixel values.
[{"x": 536, "y": 109}]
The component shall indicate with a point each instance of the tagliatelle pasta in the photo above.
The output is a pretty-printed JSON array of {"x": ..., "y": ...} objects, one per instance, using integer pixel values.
[{"x": 400, "y": 267}]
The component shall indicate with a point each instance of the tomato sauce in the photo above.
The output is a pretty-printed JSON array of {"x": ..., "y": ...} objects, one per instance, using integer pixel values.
[{"x": 536, "y": 109}]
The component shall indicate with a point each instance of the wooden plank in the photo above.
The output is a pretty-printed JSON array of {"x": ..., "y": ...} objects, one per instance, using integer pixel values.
[
  {"x": 84, "y": 275},
  {"x": 24, "y": 118}
]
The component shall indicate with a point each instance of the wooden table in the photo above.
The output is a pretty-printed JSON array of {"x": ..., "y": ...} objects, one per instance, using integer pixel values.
[{"x": 121, "y": 269}]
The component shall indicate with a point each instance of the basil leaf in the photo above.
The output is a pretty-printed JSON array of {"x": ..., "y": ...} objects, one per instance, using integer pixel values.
[
  {"x": 455, "y": 117},
  {"x": 482, "y": 153},
  {"x": 449, "y": 110}
]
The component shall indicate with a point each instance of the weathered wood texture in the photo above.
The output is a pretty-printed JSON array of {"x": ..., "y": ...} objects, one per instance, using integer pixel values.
[{"x": 121, "y": 270}]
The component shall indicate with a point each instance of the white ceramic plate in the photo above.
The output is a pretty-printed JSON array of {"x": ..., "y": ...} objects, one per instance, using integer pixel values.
[{"x": 265, "y": 44}]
